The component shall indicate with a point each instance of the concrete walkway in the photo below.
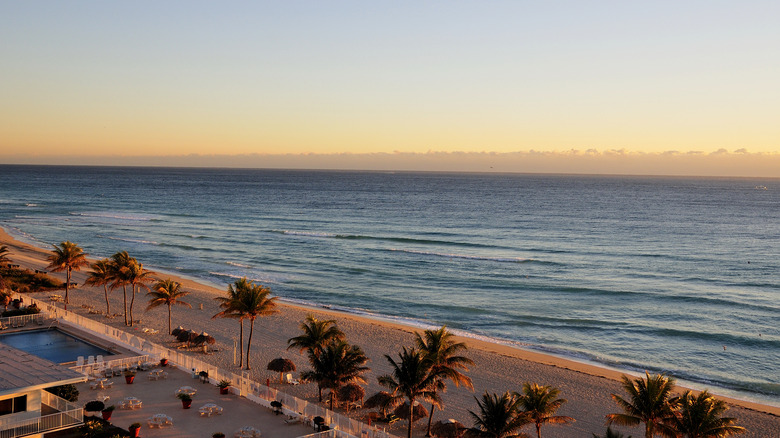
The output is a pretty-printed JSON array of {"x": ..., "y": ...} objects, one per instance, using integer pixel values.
[{"x": 159, "y": 397}]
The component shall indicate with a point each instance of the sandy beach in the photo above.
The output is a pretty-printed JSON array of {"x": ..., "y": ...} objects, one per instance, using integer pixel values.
[{"x": 497, "y": 368}]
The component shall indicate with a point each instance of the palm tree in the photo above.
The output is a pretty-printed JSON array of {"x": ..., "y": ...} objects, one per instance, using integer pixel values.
[
  {"x": 167, "y": 292},
  {"x": 136, "y": 277},
  {"x": 67, "y": 257},
  {"x": 498, "y": 417},
  {"x": 701, "y": 417},
  {"x": 252, "y": 303},
  {"x": 229, "y": 304},
  {"x": 119, "y": 264},
  {"x": 411, "y": 379},
  {"x": 6, "y": 297},
  {"x": 649, "y": 401},
  {"x": 439, "y": 347},
  {"x": 337, "y": 364},
  {"x": 101, "y": 275},
  {"x": 316, "y": 335},
  {"x": 540, "y": 403},
  {"x": 4, "y": 251}
]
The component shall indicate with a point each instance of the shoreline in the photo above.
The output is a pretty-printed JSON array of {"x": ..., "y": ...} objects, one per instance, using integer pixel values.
[{"x": 497, "y": 365}]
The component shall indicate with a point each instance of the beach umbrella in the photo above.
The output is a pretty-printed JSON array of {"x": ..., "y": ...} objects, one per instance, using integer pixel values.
[
  {"x": 204, "y": 338},
  {"x": 177, "y": 330},
  {"x": 448, "y": 429},
  {"x": 350, "y": 393},
  {"x": 281, "y": 365},
  {"x": 378, "y": 400},
  {"x": 187, "y": 336},
  {"x": 419, "y": 412}
]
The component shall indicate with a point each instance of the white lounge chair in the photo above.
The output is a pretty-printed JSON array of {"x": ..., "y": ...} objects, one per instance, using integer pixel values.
[
  {"x": 80, "y": 361},
  {"x": 290, "y": 379}
]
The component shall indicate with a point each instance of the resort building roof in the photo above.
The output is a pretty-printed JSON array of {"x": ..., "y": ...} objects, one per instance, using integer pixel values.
[{"x": 23, "y": 370}]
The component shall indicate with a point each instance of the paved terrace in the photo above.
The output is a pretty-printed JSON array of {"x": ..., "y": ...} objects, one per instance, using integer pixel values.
[{"x": 159, "y": 397}]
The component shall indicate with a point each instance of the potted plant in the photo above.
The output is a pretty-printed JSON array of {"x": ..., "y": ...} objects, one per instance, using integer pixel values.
[
  {"x": 224, "y": 385},
  {"x": 217, "y": 435},
  {"x": 94, "y": 406},
  {"x": 163, "y": 362},
  {"x": 107, "y": 411},
  {"x": 135, "y": 430},
  {"x": 129, "y": 376},
  {"x": 277, "y": 405},
  {"x": 186, "y": 400}
]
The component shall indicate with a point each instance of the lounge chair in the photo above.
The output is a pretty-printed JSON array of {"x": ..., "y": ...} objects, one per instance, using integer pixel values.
[{"x": 290, "y": 379}]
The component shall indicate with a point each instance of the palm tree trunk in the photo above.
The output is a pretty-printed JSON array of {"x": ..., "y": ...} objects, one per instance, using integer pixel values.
[
  {"x": 538, "y": 430},
  {"x": 430, "y": 419},
  {"x": 241, "y": 344},
  {"x": 67, "y": 286},
  {"x": 648, "y": 430},
  {"x": 249, "y": 342},
  {"x": 132, "y": 300},
  {"x": 108, "y": 306},
  {"x": 124, "y": 292},
  {"x": 411, "y": 412},
  {"x": 169, "y": 318}
]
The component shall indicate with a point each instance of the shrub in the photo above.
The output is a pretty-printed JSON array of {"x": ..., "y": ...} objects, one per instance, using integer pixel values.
[{"x": 67, "y": 392}]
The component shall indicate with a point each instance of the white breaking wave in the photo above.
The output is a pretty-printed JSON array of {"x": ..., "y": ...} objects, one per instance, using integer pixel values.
[{"x": 463, "y": 256}]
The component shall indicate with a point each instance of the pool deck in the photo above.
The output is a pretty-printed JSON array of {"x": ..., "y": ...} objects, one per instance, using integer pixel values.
[{"x": 159, "y": 397}]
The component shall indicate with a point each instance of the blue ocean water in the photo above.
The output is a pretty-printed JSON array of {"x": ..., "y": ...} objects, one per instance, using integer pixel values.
[{"x": 636, "y": 273}]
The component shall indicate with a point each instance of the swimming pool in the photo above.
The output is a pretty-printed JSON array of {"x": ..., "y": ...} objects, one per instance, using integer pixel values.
[{"x": 52, "y": 344}]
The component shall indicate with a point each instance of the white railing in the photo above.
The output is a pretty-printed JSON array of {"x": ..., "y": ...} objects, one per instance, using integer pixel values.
[
  {"x": 70, "y": 415},
  {"x": 20, "y": 320},
  {"x": 242, "y": 385}
]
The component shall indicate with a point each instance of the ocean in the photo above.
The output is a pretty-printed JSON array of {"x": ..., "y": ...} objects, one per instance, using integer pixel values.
[{"x": 672, "y": 275}]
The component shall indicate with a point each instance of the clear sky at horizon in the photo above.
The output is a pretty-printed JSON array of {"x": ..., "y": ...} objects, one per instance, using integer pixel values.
[{"x": 111, "y": 79}]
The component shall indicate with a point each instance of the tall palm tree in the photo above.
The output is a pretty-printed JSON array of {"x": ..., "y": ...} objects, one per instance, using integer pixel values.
[
  {"x": 440, "y": 348},
  {"x": 67, "y": 257},
  {"x": 498, "y": 417},
  {"x": 101, "y": 275},
  {"x": 119, "y": 264},
  {"x": 229, "y": 306},
  {"x": 167, "y": 292},
  {"x": 6, "y": 298},
  {"x": 701, "y": 417},
  {"x": 252, "y": 303},
  {"x": 540, "y": 403},
  {"x": 411, "y": 379},
  {"x": 136, "y": 277},
  {"x": 337, "y": 364},
  {"x": 316, "y": 335},
  {"x": 649, "y": 401},
  {"x": 4, "y": 260}
]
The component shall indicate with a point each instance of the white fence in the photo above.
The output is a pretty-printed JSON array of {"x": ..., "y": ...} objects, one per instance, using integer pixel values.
[
  {"x": 342, "y": 426},
  {"x": 69, "y": 415}
]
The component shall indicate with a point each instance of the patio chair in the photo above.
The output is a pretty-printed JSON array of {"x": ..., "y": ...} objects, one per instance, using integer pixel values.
[
  {"x": 290, "y": 379},
  {"x": 80, "y": 361}
]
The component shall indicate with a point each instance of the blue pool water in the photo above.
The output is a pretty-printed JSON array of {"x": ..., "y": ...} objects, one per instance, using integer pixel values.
[{"x": 52, "y": 344}]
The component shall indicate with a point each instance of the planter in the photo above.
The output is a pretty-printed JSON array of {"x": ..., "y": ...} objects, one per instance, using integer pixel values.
[
  {"x": 107, "y": 414},
  {"x": 163, "y": 362},
  {"x": 186, "y": 404},
  {"x": 129, "y": 379},
  {"x": 225, "y": 390},
  {"x": 135, "y": 432}
]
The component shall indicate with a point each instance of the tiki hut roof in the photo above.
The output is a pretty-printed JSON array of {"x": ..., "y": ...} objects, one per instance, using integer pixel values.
[
  {"x": 281, "y": 365},
  {"x": 177, "y": 330},
  {"x": 204, "y": 338},
  {"x": 402, "y": 411},
  {"x": 351, "y": 392},
  {"x": 448, "y": 429},
  {"x": 378, "y": 400}
]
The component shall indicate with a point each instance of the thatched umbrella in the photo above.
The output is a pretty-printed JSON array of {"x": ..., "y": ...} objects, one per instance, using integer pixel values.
[
  {"x": 350, "y": 393},
  {"x": 187, "y": 336},
  {"x": 177, "y": 330},
  {"x": 281, "y": 365},
  {"x": 204, "y": 339},
  {"x": 419, "y": 412},
  {"x": 448, "y": 429},
  {"x": 378, "y": 400}
]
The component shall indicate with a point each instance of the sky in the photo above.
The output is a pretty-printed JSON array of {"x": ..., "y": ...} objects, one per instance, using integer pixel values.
[{"x": 662, "y": 87}]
